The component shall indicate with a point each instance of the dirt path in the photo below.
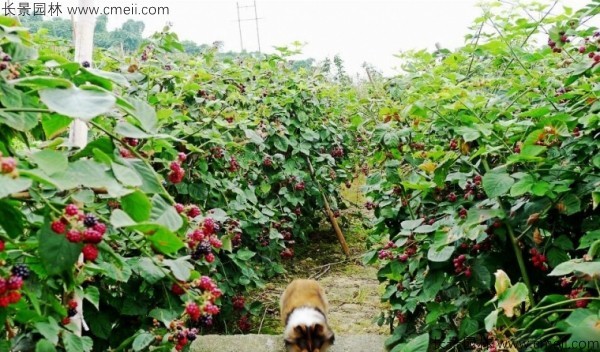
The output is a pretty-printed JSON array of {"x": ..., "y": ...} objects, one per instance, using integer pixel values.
[{"x": 352, "y": 288}]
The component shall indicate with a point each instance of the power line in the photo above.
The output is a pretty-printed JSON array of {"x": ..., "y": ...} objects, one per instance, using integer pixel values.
[{"x": 255, "y": 19}]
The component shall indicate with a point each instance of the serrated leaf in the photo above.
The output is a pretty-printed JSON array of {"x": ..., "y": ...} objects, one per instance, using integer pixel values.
[
  {"x": 181, "y": 268},
  {"x": 119, "y": 218},
  {"x": 9, "y": 185},
  {"x": 79, "y": 103},
  {"x": 254, "y": 137},
  {"x": 142, "y": 341},
  {"x": 50, "y": 330},
  {"x": 137, "y": 206},
  {"x": 165, "y": 214},
  {"x": 11, "y": 219},
  {"x": 56, "y": 252},
  {"x": 50, "y": 161},
  {"x": 145, "y": 114},
  {"x": 126, "y": 175},
  {"x": 440, "y": 255},
  {"x": 74, "y": 343},
  {"x": 496, "y": 184},
  {"x": 512, "y": 297},
  {"x": 92, "y": 295},
  {"x": 166, "y": 241},
  {"x": 490, "y": 320}
]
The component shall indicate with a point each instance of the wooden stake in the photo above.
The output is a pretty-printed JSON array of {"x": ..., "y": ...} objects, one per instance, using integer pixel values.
[{"x": 332, "y": 218}]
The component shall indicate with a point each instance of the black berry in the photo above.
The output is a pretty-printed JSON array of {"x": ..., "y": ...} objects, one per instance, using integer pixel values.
[{"x": 21, "y": 270}]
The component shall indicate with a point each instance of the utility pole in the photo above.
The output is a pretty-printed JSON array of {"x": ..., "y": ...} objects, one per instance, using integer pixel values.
[
  {"x": 255, "y": 19},
  {"x": 240, "y": 26}
]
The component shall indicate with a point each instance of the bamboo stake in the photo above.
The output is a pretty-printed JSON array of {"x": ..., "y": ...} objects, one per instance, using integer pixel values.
[{"x": 332, "y": 218}]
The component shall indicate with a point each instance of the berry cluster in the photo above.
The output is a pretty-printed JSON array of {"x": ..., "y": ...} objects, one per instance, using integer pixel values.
[
  {"x": 132, "y": 142},
  {"x": 79, "y": 227},
  {"x": 203, "y": 239},
  {"x": 578, "y": 293},
  {"x": 8, "y": 165},
  {"x": 300, "y": 186},
  {"x": 267, "y": 161},
  {"x": 191, "y": 210},
  {"x": 337, "y": 152},
  {"x": 217, "y": 152},
  {"x": 459, "y": 265},
  {"x": 71, "y": 312},
  {"x": 287, "y": 253},
  {"x": 183, "y": 337},
  {"x": 203, "y": 314},
  {"x": 147, "y": 52},
  {"x": 453, "y": 144},
  {"x": 238, "y": 302},
  {"x": 10, "y": 288},
  {"x": 244, "y": 324},
  {"x": 538, "y": 259},
  {"x": 370, "y": 205},
  {"x": 177, "y": 172},
  {"x": 5, "y": 63},
  {"x": 233, "y": 164}
]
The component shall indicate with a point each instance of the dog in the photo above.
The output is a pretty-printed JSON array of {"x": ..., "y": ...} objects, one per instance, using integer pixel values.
[{"x": 304, "y": 308}]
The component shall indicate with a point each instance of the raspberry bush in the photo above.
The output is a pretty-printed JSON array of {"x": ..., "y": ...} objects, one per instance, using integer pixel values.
[{"x": 490, "y": 160}]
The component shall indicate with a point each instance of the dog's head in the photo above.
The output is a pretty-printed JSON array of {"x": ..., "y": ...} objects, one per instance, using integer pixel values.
[{"x": 311, "y": 338}]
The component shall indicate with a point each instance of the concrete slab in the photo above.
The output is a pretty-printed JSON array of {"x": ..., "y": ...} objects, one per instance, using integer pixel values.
[{"x": 274, "y": 343}]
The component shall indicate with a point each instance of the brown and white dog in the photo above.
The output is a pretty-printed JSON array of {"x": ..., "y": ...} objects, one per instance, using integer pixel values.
[{"x": 304, "y": 309}]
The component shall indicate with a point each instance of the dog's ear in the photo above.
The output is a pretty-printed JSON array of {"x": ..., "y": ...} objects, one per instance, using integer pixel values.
[
  {"x": 331, "y": 339},
  {"x": 318, "y": 329}
]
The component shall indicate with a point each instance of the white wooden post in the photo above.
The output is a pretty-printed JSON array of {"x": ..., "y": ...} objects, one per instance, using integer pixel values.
[
  {"x": 83, "y": 37},
  {"x": 83, "y": 28}
]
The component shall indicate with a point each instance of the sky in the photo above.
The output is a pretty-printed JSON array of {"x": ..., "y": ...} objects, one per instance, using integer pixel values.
[{"x": 359, "y": 31}]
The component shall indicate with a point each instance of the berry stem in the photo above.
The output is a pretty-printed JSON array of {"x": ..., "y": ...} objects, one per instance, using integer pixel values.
[{"x": 515, "y": 245}]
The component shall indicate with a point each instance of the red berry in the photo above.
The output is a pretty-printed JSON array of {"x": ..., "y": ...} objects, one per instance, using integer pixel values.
[
  {"x": 58, "y": 226},
  {"x": 3, "y": 286},
  {"x": 14, "y": 283},
  {"x": 92, "y": 236},
  {"x": 4, "y": 301},
  {"x": 74, "y": 236},
  {"x": 582, "y": 49},
  {"x": 100, "y": 227},
  {"x": 66, "y": 321},
  {"x": 90, "y": 252},
  {"x": 177, "y": 289},
  {"x": 7, "y": 165},
  {"x": 194, "y": 211},
  {"x": 14, "y": 297},
  {"x": 2, "y": 246},
  {"x": 72, "y": 304},
  {"x": 175, "y": 166},
  {"x": 206, "y": 283},
  {"x": 468, "y": 272},
  {"x": 209, "y": 258},
  {"x": 71, "y": 210},
  {"x": 125, "y": 153},
  {"x": 179, "y": 208},
  {"x": 299, "y": 186},
  {"x": 132, "y": 141},
  {"x": 403, "y": 257},
  {"x": 452, "y": 197},
  {"x": 181, "y": 157},
  {"x": 193, "y": 310}
]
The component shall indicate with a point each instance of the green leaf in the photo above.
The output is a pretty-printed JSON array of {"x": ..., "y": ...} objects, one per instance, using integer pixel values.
[
  {"x": 79, "y": 103},
  {"x": 50, "y": 330},
  {"x": 145, "y": 114},
  {"x": 126, "y": 175},
  {"x": 468, "y": 134},
  {"x": 432, "y": 284},
  {"x": 590, "y": 237},
  {"x": 126, "y": 129},
  {"x": 55, "y": 125},
  {"x": 417, "y": 344},
  {"x": 58, "y": 255},
  {"x": 440, "y": 255},
  {"x": 166, "y": 241},
  {"x": 481, "y": 275},
  {"x": 9, "y": 185},
  {"x": 119, "y": 218},
  {"x": 490, "y": 320},
  {"x": 468, "y": 327},
  {"x": 576, "y": 265},
  {"x": 137, "y": 206},
  {"x": 181, "y": 268},
  {"x": 142, "y": 341},
  {"x": 92, "y": 295},
  {"x": 44, "y": 345},
  {"x": 42, "y": 82},
  {"x": 165, "y": 316},
  {"x": 149, "y": 271},
  {"x": 411, "y": 224},
  {"x": 254, "y": 137},
  {"x": 165, "y": 214},
  {"x": 150, "y": 184},
  {"x": 50, "y": 161},
  {"x": 11, "y": 219},
  {"x": 74, "y": 343},
  {"x": 522, "y": 186},
  {"x": 497, "y": 184},
  {"x": 281, "y": 143},
  {"x": 244, "y": 254},
  {"x": 512, "y": 297}
]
